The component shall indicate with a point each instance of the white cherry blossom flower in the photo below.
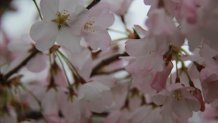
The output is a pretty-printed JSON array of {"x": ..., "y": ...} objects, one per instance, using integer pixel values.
[
  {"x": 56, "y": 24},
  {"x": 67, "y": 22}
]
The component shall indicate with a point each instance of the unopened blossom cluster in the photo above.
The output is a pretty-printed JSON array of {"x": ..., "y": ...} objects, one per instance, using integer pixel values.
[{"x": 71, "y": 69}]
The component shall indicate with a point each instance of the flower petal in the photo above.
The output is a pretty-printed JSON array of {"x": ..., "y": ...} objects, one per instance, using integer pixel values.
[
  {"x": 133, "y": 44},
  {"x": 96, "y": 96},
  {"x": 44, "y": 34},
  {"x": 49, "y": 8},
  {"x": 102, "y": 16},
  {"x": 37, "y": 64},
  {"x": 68, "y": 40},
  {"x": 98, "y": 39},
  {"x": 69, "y": 5}
]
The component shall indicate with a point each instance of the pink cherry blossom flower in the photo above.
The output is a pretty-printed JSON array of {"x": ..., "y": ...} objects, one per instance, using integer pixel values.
[
  {"x": 142, "y": 74},
  {"x": 179, "y": 97},
  {"x": 94, "y": 26},
  {"x": 66, "y": 22},
  {"x": 164, "y": 29}
]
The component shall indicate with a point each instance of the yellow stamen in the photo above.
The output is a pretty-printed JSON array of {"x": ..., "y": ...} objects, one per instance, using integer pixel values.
[
  {"x": 61, "y": 19},
  {"x": 89, "y": 26},
  {"x": 178, "y": 95}
]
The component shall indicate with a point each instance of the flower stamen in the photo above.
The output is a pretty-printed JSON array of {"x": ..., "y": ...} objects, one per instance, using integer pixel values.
[
  {"x": 178, "y": 95},
  {"x": 89, "y": 26},
  {"x": 61, "y": 19}
]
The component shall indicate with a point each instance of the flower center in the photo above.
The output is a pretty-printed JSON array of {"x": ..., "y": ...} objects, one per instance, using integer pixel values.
[
  {"x": 178, "y": 95},
  {"x": 61, "y": 19},
  {"x": 89, "y": 26}
]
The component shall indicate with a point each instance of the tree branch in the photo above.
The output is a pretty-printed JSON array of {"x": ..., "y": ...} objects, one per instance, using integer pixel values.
[
  {"x": 106, "y": 62},
  {"x": 22, "y": 64},
  {"x": 94, "y": 2}
]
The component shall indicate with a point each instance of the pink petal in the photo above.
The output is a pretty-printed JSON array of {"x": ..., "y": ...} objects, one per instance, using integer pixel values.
[
  {"x": 68, "y": 40},
  {"x": 124, "y": 7},
  {"x": 44, "y": 34},
  {"x": 37, "y": 64},
  {"x": 69, "y": 5},
  {"x": 95, "y": 96},
  {"x": 49, "y": 8},
  {"x": 160, "y": 78},
  {"x": 101, "y": 15},
  {"x": 98, "y": 39},
  {"x": 133, "y": 44}
]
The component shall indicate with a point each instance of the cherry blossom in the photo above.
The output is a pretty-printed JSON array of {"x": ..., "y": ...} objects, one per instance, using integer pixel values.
[
  {"x": 85, "y": 64},
  {"x": 180, "y": 97},
  {"x": 57, "y": 17},
  {"x": 67, "y": 22}
]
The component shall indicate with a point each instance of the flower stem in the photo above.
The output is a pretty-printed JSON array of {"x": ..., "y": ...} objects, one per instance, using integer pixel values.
[
  {"x": 37, "y": 7},
  {"x": 106, "y": 62},
  {"x": 65, "y": 72},
  {"x": 94, "y": 2},
  {"x": 74, "y": 70}
]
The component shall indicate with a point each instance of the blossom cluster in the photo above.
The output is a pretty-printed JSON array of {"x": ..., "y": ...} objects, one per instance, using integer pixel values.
[{"x": 70, "y": 69}]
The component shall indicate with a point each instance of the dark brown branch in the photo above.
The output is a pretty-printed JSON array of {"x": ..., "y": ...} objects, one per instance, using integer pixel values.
[
  {"x": 94, "y": 2},
  {"x": 22, "y": 64},
  {"x": 106, "y": 62}
]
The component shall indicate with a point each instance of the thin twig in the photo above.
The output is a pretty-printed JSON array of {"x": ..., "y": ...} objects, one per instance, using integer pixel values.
[
  {"x": 106, "y": 62},
  {"x": 22, "y": 64},
  {"x": 65, "y": 72},
  {"x": 37, "y": 7},
  {"x": 94, "y": 2},
  {"x": 71, "y": 66}
]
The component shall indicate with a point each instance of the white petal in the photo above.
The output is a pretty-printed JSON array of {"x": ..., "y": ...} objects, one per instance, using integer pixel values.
[
  {"x": 101, "y": 15},
  {"x": 68, "y": 40},
  {"x": 44, "y": 34},
  {"x": 69, "y": 5},
  {"x": 49, "y": 8},
  {"x": 98, "y": 39}
]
